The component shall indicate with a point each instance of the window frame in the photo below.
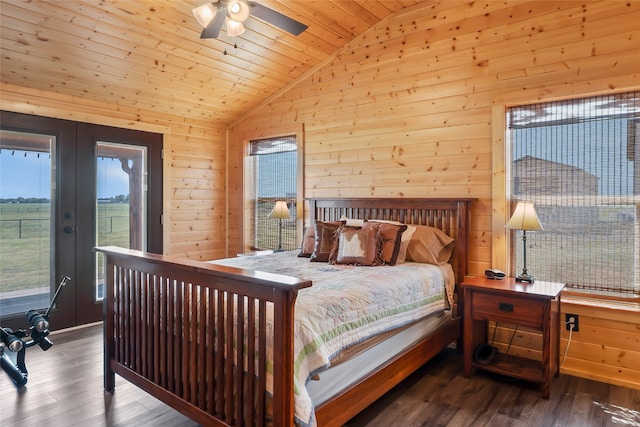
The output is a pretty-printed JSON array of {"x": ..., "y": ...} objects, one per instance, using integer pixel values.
[
  {"x": 501, "y": 245},
  {"x": 249, "y": 183}
]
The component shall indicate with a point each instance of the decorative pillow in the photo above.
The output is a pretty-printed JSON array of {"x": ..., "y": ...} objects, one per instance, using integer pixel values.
[
  {"x": 308, "y": 242},
  {"x": 404, "y": 242},
  {"x": 391, "y": 235},
  {"x": 356, "y": 246},
  {"x": 325, "y": 234},
  {"x": 430, "y": 245}
]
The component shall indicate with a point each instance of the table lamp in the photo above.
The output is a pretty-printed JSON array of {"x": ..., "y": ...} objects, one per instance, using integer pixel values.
[
  {"x": 524, "y": 218},
  {"x": 280, "y": 211}
]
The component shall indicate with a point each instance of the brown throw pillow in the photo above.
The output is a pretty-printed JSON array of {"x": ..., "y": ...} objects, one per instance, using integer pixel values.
[
  {"x": 430, "y": 245},
  {"x": 325, "y": 235},
  {"x": 308, "y": 242},
  {"x": 404, "y": 242},
  {"x": 356, "y": 246},
  {"x": 391, "y": 235}
]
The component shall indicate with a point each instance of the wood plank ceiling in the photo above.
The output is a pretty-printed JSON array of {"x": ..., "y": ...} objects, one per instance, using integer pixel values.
[{"x": 148, "y": 53}]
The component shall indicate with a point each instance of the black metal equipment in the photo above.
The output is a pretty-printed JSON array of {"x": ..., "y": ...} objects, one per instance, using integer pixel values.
[{"x": 13, "y": 344}]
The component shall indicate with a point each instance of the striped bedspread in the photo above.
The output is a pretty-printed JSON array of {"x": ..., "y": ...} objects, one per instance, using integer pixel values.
[{"x": 348, "y": 304}]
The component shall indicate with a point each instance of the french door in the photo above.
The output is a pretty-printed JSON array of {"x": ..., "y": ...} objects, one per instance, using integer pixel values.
[{"x": 65, "y": 188}]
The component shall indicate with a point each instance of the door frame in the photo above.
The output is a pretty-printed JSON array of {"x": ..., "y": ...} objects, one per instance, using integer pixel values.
[
  {"x": 88, "y": 135},
  {"x": 65, "y": 133},
  {"x": 75, "y": 150}
]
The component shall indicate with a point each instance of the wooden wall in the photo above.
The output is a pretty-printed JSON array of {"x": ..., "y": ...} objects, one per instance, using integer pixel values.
[
  {"x": 412, "y": 108},
  {"x": 607, "y": 346},
  {"x": 415, "y": 107},
  {"x": 193, "y": 164}
]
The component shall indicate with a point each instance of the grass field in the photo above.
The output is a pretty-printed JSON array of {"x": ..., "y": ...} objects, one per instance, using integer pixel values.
[
  {"x": 268, "y": 229},
  {"x": 25, "y": 253},
  {"x": 25, "y": 241}
]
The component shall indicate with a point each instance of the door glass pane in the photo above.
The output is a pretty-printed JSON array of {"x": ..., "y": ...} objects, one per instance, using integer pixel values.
[
  {"x": 121, "y": 201},
  {"x": 26, "y": 196}
]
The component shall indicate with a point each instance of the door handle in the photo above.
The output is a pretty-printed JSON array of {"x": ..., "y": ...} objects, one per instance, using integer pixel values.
[{"x": 69, "y": 229}]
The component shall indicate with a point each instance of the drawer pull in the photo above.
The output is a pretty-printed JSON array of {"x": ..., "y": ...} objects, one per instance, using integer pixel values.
[{"x": 503, "y": 306}]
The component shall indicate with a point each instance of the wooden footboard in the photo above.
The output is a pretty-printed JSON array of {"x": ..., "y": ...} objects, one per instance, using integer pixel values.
[{"x": 173, "y": 328}]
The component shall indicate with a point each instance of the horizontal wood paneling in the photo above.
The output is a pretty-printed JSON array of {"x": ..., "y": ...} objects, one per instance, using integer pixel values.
[
  {"x": 148, "y": 54},
  {"x": 607, "y": 345},
  {"x": 407, "y": 109}
]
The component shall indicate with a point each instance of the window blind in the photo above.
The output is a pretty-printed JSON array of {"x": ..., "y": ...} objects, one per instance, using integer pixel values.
[
  {"x": 274, "y": 171},
  {"x": 577, "y": 161}
]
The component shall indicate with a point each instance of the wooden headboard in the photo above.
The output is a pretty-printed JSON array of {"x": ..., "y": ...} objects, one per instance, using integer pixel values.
[{"x": 449, "y": 215}]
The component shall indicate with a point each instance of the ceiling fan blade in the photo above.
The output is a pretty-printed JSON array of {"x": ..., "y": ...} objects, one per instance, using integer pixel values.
[
  {"x": 212, "y": 30},
  {"x": 276, "y": 18}
]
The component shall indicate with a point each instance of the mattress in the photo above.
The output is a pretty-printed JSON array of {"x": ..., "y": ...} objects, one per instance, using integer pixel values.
[
  {"x": 341, "y": 376},
  {"x": 347, "y": 305}
]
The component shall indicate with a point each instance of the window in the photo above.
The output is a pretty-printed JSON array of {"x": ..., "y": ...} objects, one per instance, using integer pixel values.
[
  {"x": 121, "y": 204},
  {"x": 578, "y": 162},
  {"x": 274, "y": 164}
]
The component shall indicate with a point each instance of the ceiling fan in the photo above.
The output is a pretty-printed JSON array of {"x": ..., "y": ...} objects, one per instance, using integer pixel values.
[{"x": 211, "y": 16}]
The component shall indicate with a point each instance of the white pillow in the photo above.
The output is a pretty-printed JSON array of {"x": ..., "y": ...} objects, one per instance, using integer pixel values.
[
  {"x": 352, "y": 222},
  {"x": 404, "y": 243}
]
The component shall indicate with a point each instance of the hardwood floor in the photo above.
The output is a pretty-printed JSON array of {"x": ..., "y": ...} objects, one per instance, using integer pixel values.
[{"x": 65, "y": 389}]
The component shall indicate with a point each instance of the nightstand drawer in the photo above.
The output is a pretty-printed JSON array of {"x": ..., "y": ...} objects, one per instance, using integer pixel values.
[{"x": 523, "y": 311}]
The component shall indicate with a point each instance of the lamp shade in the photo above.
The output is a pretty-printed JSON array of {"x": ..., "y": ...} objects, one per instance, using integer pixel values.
[
  {"x": 238, "y": 10},
  {"x": 234, "y": 28},
  {"x": 524, "y": 218},
  {"x": 204, "y": 14},
  {"x": 280, "y": 211}
]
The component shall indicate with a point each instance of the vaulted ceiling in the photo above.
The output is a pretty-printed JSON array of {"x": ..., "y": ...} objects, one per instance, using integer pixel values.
[{"x": 148, "y": 53}]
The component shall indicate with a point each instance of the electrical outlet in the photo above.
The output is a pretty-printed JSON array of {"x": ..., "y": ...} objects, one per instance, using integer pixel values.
[{"x": 571, "y": 319}]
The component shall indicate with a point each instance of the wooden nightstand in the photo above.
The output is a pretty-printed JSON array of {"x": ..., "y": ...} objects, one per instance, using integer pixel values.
[{"x": 535, "y": 306}]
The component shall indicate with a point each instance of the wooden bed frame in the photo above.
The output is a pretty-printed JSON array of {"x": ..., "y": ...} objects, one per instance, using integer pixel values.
[{"x": 158, "y": 310}]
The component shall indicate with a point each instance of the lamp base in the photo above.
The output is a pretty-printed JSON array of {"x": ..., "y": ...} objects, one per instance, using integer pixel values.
[{"x": 525, "y": 278}]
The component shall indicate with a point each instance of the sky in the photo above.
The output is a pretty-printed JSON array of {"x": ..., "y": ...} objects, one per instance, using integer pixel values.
[
  {"x": 578, "y": 133},
  {"x": 277, "y": 174},
  {"x": 28, "y": 176},
  {"x": 582, "y": 145}
]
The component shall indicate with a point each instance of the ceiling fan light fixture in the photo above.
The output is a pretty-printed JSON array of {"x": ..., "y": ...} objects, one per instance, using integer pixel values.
[
  {"x": 238, "y": 10},
  {"x": 204, "y": 14},
  {"x": 234, "y": 28},
  {"x": 213, "y": 16}
]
